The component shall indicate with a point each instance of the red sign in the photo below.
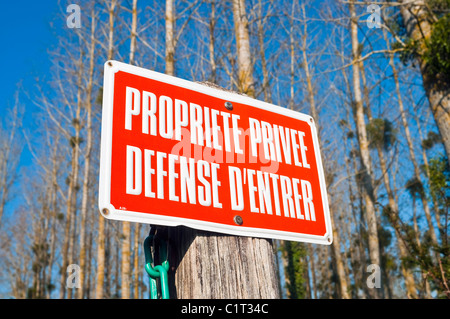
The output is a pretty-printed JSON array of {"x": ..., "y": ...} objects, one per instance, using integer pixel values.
[{"x": 174, "y": 152}]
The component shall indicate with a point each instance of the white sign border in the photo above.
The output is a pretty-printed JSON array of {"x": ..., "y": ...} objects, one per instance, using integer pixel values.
[{"x": 110, "y": 212}]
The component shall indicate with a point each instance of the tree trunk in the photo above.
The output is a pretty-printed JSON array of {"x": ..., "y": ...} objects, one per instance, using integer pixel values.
[
  {"x": 310, "y": 249},
  {"x": 100, "y": 281},
  {"x": 292, "y": 58},
  {"x": 53, "y": 209},
  {"x": 125, "y": 258},
  {"x": 426, "y": 206},
  {"x": 170, "y": 37},
  {"x": 366, "y": 169},
  {"x": 136, "y": 245},
  {"x": 340, "y": 268},
  {"x": 393, "y": 207},
  {"x": 418, "y": 28},
  {"x": 7, "y": 156},
  {"x": 245, "y": 67},
  {"x": 359, "y": 258},
  {"x": 212, "y": 42},
  {"x": 72, "y": 190},
  {"x": 209, "y": 265},
  {"x": 309, "y": 84},
  {"x": 427, "y": 172},
  {"x": 133, "y": 32},
  {"x": 87, "y": 160},
  {"x": 88, "y": 267}
]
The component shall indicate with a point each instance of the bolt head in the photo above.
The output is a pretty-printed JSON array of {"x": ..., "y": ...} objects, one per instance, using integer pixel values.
[
  {"x": 238, "y": 220},
  {"x": 229, "y": 106}
]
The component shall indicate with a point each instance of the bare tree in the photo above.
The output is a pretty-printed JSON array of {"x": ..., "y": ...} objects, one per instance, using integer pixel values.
[
  {"x": 87, "y": 154},
  {"x": 170, "y": 37},
  {"x": 74, "y": 140},
  {"x": 9, "y": 153},
  {"x": 16, "y": 255},
  {"x": 100, "y": 280},
  {"x": 245, "y": 65},
  {"x": 366, "y": 166},
  {"x": 392, "y": 208}
]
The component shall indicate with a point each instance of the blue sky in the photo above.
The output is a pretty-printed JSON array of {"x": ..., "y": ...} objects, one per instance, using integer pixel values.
[
  {"x": 26, "y": 34},
  {"x": 27, "y": 30}
]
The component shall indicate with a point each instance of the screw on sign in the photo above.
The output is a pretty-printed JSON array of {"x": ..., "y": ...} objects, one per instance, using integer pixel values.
[{"x": 174, "y": 152}]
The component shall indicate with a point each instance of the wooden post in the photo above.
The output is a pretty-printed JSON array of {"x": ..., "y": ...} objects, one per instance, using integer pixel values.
[
  {"x": 217, "y": 266},
  {"x": 210, "y": 265}
]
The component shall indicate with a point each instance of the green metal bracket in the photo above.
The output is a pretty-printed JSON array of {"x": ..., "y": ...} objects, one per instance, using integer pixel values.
[{"x": 158, "y": 271}]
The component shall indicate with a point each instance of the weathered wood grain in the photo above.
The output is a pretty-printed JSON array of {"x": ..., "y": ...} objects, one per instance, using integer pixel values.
[{"x": 217, "y": 266}]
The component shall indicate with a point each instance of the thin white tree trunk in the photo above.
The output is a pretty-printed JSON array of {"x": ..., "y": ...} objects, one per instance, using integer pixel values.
[
  {"x": 68, "y": 247},
  {"x": 170, "y": 37},
  {"x": 99, "y": 287},
  {"x": 245, "y": 66},
  {"x": 366, "y": 169},
  {"x": 212, "y": 41},
  {"x": 87, "y": 159}
]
